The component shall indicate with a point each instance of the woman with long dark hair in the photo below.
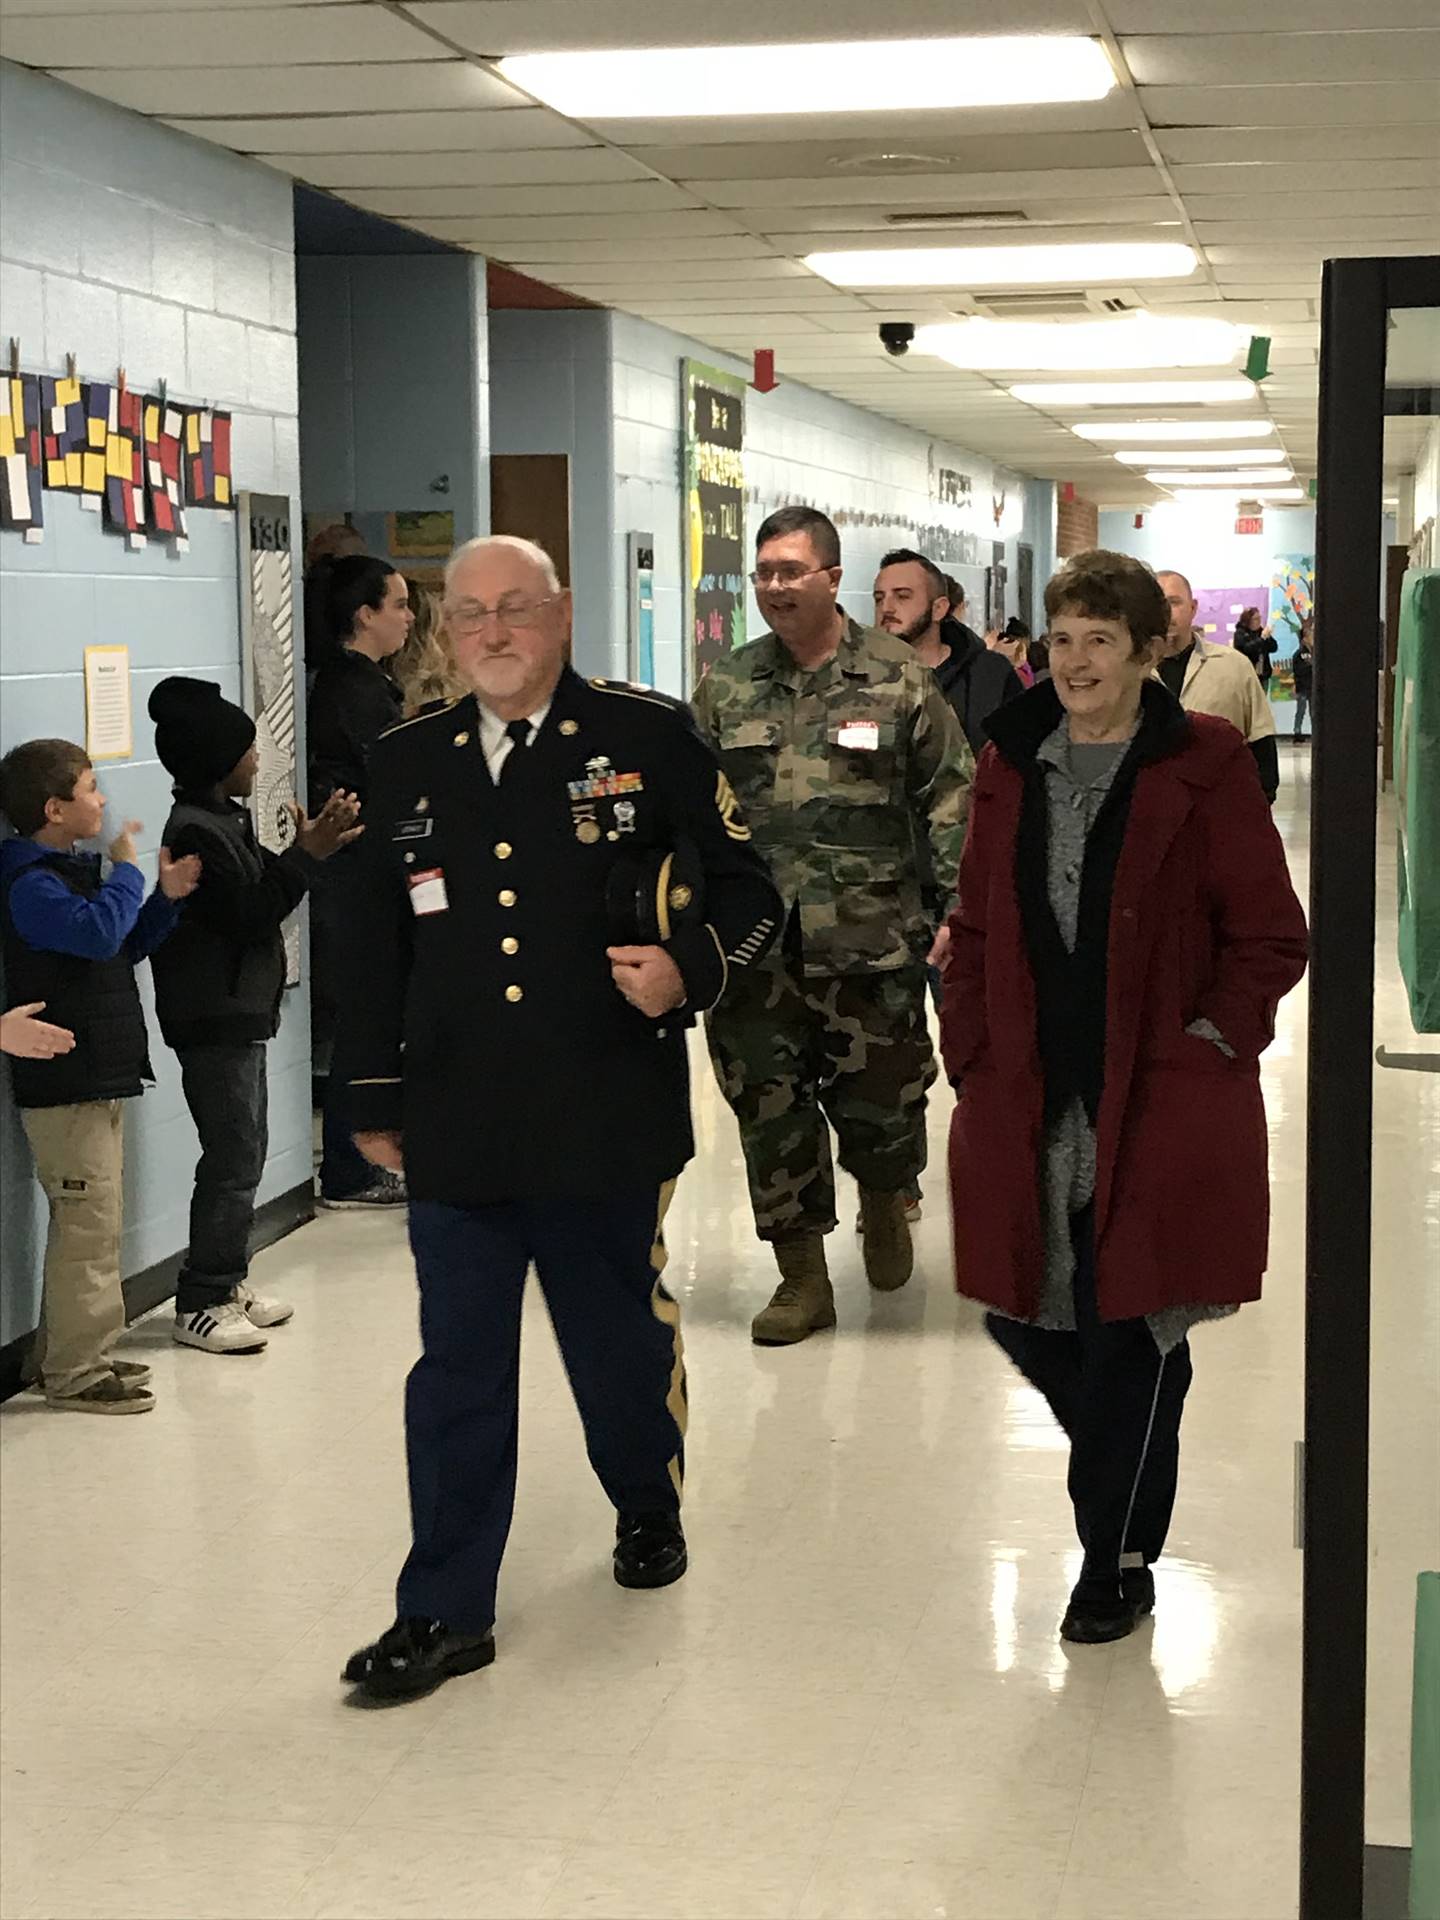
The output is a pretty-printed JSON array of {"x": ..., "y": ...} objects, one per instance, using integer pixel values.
[
  {"x": 1125, "y": 930},
  {"x": 1252, "y": 639},
  {"x": 357, "y": 617}
]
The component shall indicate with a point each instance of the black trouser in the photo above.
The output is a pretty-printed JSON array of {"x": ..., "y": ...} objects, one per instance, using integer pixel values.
[
  {"x": 1119, "y": 1400},
  {"x": 599, "y": 1263},
  {"x": 226, "y": 1093}
]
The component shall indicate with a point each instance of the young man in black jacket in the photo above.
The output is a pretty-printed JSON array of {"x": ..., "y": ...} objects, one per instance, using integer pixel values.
[
  {"x": 218, "y": 992},
  {"x": 912, "y": 601}
]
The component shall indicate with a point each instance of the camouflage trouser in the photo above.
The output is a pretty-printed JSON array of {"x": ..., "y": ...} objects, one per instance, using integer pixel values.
[{"x": 792, "y": 1053}]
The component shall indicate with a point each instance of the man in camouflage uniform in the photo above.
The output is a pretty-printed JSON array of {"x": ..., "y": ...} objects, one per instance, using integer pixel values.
[{"x": 844, "y": 756}]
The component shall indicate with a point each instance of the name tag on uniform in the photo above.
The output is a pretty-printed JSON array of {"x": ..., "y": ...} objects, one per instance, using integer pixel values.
[
  {"x": 861, "y": 734},
  {"x": 417, "y": 829},
  {"x": 427, "y": 891}
]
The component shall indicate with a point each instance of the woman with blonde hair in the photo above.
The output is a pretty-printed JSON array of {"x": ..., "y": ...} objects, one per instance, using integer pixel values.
[{"x": 424, "y": 669}]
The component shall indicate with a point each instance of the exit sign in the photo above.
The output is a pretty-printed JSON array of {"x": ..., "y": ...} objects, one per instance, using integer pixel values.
[{"x": 1250, "y": 523}]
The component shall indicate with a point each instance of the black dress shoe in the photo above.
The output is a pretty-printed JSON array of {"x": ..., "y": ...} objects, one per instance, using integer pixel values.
[
  {"x": 1137, "y": 1584},
  {"x": 414, "y": 1657},
  {"x": 649, "y": 1550},
  {"x": 1103, "y": 1611}
]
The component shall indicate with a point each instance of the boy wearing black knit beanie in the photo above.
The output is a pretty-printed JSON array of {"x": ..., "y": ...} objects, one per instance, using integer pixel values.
[{"x": 218, "y": 993}]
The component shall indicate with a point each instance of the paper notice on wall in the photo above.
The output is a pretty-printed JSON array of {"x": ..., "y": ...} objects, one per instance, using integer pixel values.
[{"x": 107, "y": 703}]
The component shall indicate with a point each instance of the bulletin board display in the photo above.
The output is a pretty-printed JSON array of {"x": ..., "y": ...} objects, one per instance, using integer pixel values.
[{"x": 712, "y": 532}]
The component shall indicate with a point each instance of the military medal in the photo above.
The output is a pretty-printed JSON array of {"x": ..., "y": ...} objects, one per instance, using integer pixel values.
[
  {"x": 624, "y": 816},
  {"x": 587, "y": 832}
]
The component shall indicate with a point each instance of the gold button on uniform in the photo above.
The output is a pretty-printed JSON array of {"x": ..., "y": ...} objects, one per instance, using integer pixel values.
[
  {"x": 512, "y": 994},
  {"x": 506, "y": 896},
  {"x": 509, "y": 944},
  {"x": 503, "y": 849}
]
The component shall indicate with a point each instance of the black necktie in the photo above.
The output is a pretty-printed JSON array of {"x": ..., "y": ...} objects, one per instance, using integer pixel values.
[{"x": 519, "y": 732}]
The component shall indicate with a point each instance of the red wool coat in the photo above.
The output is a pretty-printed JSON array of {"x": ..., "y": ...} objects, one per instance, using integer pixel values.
[{"x": 1204, "y": 923}]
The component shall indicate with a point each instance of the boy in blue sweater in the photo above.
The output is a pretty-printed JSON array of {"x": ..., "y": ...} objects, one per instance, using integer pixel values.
[{"x": 73, "y": 940}]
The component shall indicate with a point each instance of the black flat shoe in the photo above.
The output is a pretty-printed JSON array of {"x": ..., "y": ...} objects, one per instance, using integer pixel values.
[
  {"x": 1137, "y": 1584},
  {"x": 414, "y": 1657},
  {"x": 649, "y": 1550},
  {"x": 1102, "y": 1612}
]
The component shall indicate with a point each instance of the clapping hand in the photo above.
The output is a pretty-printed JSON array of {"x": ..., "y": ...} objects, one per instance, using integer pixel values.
[
  {"x": 178, "y": 878},
  {"x": 332, "y": 828}
]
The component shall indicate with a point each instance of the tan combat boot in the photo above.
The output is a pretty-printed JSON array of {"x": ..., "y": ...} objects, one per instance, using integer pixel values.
[
  {"x": 803, "y": 1302},
  {"x": 885, "y": 1240}
]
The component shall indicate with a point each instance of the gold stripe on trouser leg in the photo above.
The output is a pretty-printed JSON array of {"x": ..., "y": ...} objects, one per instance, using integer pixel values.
[{"x": 667, "y": 1310}]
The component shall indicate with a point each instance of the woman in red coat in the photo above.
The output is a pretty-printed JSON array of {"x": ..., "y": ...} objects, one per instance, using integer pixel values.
[{"x": 1125, "y": 930}]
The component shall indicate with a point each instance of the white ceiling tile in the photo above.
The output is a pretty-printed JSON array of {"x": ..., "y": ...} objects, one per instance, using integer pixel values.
[
  {"x": 1362, "y": 104},
  {"x": 52, "y": 9},
  {"x": 1219, "y": 145},
  {"x": 536, "y": 167},
  {"x": 540, "y": 26},
  {"x": 1322, "y": 208},
  {"x": 887, "y": 130},
  {"x": 117, "y": 37},
  {"x": 490, "y": 130},
  {"x": 1316, "y": 179},
  {"x": 1294, "y": 59},
  {"x": 556, "y": 256},
  {"x": 961, "y": 155},
  {"x": 764, "y": 274},
  {"x": 477, "y": 203},
  {"x": 1280, "y": 16},
  {"x": 484, "y": 230},
  {"x": 379, "y": 87},
  {"x": 896, "y": 191},
  {"x": 1373, "y": 229}
]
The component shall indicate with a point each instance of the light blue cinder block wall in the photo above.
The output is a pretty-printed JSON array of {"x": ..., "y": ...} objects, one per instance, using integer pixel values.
[
  {"x": 394, "y": 374},
  {"x": 605, "y": 389},
  {"x": 130, "y": 245}
]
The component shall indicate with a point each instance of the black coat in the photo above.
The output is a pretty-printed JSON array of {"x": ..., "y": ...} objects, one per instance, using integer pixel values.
[
  {"x": 975, "y": 680},
  {"x": 484, "y": 1023},
  {"x": 220, "y": 975},
  {"x": 351, "y": 704}
]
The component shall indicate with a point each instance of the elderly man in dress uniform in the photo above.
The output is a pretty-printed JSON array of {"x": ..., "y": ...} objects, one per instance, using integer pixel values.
[
  {"x": 556, "y": 879},
  {"x": 847, "y": 759}
]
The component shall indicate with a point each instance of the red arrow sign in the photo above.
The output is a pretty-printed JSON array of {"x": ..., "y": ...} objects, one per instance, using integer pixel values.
[{"x": 764, "y": 380}]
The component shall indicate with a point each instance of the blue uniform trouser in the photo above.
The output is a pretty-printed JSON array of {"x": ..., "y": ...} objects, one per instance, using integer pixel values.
[{"x": 599, "y": 1263}]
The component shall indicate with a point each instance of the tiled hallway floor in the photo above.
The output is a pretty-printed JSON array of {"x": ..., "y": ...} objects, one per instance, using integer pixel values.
[{"x": 855, "y": 1705}]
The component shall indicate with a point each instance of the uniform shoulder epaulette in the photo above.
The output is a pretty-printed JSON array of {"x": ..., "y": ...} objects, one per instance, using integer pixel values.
[
  {"x": 417, "y": 719},
  {"x": 649, "y": 695}
]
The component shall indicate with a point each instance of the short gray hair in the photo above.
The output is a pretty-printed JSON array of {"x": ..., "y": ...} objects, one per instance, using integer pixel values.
[{"x": 515, "y": 544}]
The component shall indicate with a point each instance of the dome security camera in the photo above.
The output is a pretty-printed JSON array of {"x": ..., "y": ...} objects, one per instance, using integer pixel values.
[{"x": 896, "y": 336}]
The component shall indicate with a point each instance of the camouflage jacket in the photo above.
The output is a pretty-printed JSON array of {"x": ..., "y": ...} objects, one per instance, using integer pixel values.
[{"x": 845, "y": 774}]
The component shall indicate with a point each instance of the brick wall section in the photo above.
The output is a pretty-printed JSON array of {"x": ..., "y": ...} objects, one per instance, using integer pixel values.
[{"x": 1077, "y": 527}]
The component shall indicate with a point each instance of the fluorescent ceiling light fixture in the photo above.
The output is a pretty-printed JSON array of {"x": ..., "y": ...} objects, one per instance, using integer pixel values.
[
  {"x": 1042, "y": 266},
  {"x": 1139, "y": 341},
  {"x": 1176, "y": 430},
  {"x": 855, "y": 76},
  {"x": 1231, "y": 457},
  {"x": 1134, "y": 393},
  {"x": 1162, "y": 477}
]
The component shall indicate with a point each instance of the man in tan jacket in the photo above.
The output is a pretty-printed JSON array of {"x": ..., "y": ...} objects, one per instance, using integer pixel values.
[{"x": 1206, "y": 678}]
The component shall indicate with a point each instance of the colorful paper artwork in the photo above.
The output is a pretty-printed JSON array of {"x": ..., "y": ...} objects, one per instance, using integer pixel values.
[
  {"x": 21, "y": 496},
  {"x": 164, "y": 482},
  {"x": 207, "y": 458},
  {"x": 141, "y": 460},
  {"x": 62, "y": 419},
  {"x": 1292, "y": 597},
  {"x": 125, "y": 464}
]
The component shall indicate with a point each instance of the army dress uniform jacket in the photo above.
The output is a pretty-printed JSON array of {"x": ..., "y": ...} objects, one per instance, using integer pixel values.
[
  {"x": 481, "y": 1018},
  {"x": 843, "y": 774}
]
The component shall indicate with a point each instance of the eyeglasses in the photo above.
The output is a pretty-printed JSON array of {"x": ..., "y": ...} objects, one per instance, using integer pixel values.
[
  {"x": 469, "y": 616},
  {"x": 790, "y": 576}
]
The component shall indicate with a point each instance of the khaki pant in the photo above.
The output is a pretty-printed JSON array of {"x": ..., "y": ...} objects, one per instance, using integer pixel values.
[{"x": 79, "y": 1160}]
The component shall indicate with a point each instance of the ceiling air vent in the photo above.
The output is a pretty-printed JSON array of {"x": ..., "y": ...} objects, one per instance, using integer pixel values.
[
  {"x": 1059, "y": 303},
  {"x": 959, "y": 218}
]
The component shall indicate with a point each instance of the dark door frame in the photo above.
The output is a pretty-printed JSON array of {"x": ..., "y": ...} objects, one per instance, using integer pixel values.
[{"x": 1357, "y": 297}]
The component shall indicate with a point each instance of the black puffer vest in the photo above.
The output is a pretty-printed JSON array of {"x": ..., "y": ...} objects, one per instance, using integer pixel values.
[{"x": 97, "y": 999}]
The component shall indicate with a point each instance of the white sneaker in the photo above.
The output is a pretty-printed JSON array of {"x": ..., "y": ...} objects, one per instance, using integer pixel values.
[
  {"x": 262, "y": 1309},
  {"x": 220, "y": 1329}
]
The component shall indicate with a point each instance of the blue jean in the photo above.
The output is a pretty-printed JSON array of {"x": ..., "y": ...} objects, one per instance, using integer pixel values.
[
  {"x": 225, "y": 1090},
  {"x": 599, "y": 1263}
]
